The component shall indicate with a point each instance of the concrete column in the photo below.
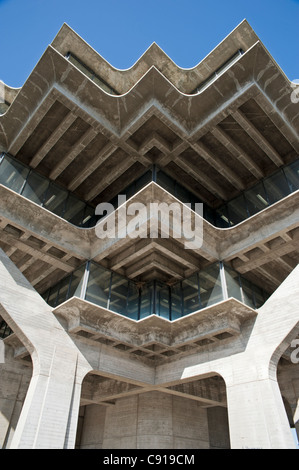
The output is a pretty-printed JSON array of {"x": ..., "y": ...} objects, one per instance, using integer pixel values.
[
  {"x": 49, "y": 416},
  {"x": 257, "y": 417}
]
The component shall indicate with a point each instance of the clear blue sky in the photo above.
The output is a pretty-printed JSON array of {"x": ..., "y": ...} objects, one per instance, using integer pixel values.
[{"x": 121, "y": 30}]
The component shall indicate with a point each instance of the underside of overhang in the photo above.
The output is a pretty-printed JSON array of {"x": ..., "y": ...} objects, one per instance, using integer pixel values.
[{"x": 217, "y": 142}]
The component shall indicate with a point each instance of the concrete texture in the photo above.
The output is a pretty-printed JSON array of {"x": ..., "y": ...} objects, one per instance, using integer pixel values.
[{"x": 82, "y": 376}]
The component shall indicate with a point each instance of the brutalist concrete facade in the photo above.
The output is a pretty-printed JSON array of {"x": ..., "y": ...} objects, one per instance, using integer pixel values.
[{"x": 139, "y": 342}]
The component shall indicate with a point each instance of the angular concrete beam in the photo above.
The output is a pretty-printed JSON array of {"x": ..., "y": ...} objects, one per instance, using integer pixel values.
[
  {"x": 218, "y": 164},
  {"x": 204, "y": 179},
  {"x": 54, "y": 137},
  {"x": 93, "y": 164},
  {"x": 155, "y": 140},
  {"x": 278, "y": 120},
  {"x": 260, "y": 140},
  {"x": 30, "y": 125},
  {"x": 107, "y": 179},
  {"x": 77, "y": 148},
  {"x": 237, "y": 152}
]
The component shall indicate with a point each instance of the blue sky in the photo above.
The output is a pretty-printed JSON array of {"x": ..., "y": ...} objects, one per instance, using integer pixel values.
[{"x": 121, "y": 30}]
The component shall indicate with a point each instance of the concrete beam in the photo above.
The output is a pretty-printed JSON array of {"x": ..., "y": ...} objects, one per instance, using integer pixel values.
[
  {"x": 218, "y": 164},
  {"x": 93, "y": 164},
  {"x": 75, "y": 150},
  {"x": 251, "y": 130},
  {"x": 237, "y": 152},
  {"x": 61, "y": 128}
]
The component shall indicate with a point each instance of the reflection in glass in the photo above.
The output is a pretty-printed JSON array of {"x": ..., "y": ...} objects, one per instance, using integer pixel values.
[
  {"x": 98, "y": 285},
  {"x": 76, "y": 282},
  {"x": 176, "y": 301},
  {"x": 122, "y": 295},
  {"x": 35, "y": 188},
  {"x": 190, "y": 294},
  {"x": 133, "y": 301},
  {"x": 276, "y": 187},
  {"x": 247, "y": 291},
  {"x": 237, "y": 211},
  {"x": 162, "y": 300},
  {"x": 210, "y": 285},
  {"x": 233, "y": 283},
  {"x": 292, "y": 174},
  {"x": 30, "y": 184},
  {"x": 146, "y": 300},
  {"x": 256, "y": 199},
  {"x": 55, "y": 199},
  {"x": 13, "y": 174},
  {"x": 119, "y": 293}
]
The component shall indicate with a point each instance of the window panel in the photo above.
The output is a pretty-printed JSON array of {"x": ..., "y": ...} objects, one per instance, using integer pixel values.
[
  {"x": 292, "y": 174},
  {"x": 276, "y": 187},
  {"x": 98, "y": 285},
  {"x": 119, "y": 293},
  {"x": 12, "y": 174},
  {"x": 232, "y": 283},
  {"x": 210, "y": 286},
  {"x": 256, "y": 199},
  {"x": 35, "y": 188},
  {"x": 190, "y": 295},
  {"x": 162, "y": 300}
]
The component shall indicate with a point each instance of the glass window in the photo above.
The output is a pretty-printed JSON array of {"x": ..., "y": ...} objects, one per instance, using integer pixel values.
[
  {"x": 162, "y": 300},
  {"x": 276, "y": 187},
  {"x": 232, "y": 283},
  {"x": 74, "y": 210},
  {"x": 98, "y": 285},
  {"x": 63, "y": 290},
  {"x": 190, "y": 295},
  {"x": 176, "y": 301},
  {"x": 237, "y": 210},
  {"x": 259, "y": 296},
  {"x": 53, "y": 296},
  {"x": 209, "y": 214},
  {"x": 292, "y": 174},
  {"x": 133, "y": 301},
  {"x": 166, "y": 182},
  {"x": 5, "y": 330},
  {"x": 183, "y": 194},
  {"x": 143, "y": 181},
  {"x": 119, "y": 294},
  {"x": 12, "y": 174},
  {"x": 221, "y": 217},
  {"x": 247, "y": 292},
  {"x": 146, "y": 300},
  {"x": 210, "y": 286},
  {"x": 256, "y": 199},
  {"x": 35, "y": 188},
  {"x": 89, "y": 218},
  {"x": 76, "y": 282},
  {"x": 55, "y": 199}
]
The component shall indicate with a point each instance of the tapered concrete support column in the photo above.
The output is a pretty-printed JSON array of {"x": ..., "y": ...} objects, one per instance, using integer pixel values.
[
  {"x": 256, "y": 413},
  {"x": 257, "y": 417},
  {"x": 49, "y": 415}
]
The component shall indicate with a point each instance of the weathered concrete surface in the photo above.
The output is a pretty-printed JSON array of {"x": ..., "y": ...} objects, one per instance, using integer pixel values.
[
  {"x": 257, "y": 417},
  {"x": 49, "y": 414}
]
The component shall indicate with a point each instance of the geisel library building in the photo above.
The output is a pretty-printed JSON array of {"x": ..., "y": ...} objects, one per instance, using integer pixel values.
[{"x": 143, "y": 339}]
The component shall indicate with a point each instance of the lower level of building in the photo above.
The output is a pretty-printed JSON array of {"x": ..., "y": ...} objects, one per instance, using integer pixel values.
[{"x": 62, "y": 387}]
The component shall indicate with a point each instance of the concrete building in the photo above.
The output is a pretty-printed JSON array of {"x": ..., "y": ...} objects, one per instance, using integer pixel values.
[{"x": 136, "y": 340}]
